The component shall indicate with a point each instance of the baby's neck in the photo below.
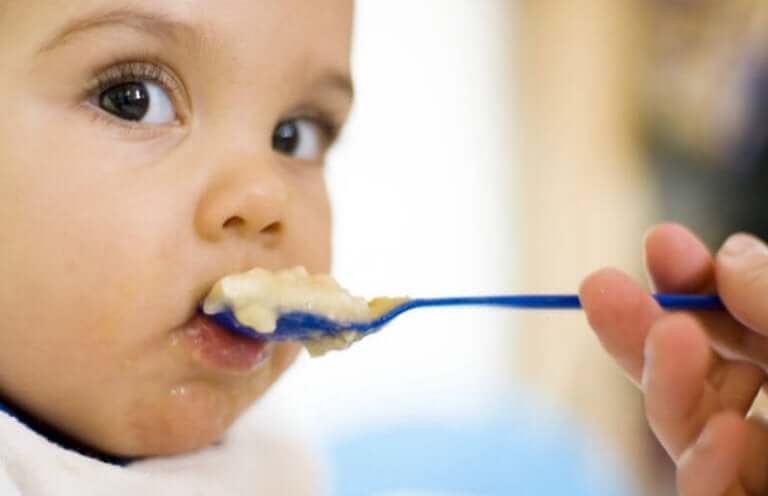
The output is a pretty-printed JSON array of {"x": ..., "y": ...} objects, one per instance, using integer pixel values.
[{"x": 57, "y": 437}]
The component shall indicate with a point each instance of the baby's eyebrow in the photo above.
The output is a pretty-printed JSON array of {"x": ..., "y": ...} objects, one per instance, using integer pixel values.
[
  {"x": 337, "y": 81},
  {"x": 156, "y": 24}
]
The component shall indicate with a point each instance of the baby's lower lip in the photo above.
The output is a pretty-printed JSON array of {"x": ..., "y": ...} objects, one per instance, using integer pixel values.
[{"x": 217, "y": 348}]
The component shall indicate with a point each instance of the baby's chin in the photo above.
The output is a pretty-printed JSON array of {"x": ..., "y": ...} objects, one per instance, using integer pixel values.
[{"x": 191, "y": 415}]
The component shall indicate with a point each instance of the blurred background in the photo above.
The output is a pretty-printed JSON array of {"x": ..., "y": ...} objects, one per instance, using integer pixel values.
[{"x": 503, "y": 146}]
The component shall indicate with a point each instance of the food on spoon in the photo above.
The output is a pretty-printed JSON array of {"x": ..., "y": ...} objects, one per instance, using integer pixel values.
[{"x": 258, "y": 297}]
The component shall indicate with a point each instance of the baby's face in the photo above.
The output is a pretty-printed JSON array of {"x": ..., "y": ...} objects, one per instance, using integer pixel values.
[{"x": 148, "y": 148}]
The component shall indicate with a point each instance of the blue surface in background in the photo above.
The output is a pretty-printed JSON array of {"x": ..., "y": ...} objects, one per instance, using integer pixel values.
[{"x": 507, "y": 454}]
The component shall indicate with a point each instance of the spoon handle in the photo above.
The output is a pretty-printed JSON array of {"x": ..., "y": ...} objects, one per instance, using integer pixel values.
[{"x": 571, "y": 301}]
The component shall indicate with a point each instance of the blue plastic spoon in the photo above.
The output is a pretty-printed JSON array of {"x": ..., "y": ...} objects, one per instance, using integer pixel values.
[{"x": 300, "y": 326}]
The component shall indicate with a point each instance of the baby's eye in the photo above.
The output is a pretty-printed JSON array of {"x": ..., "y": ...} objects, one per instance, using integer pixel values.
[
  {"x": 140, "y": 101},
  {"x": 299, "y": 138}
]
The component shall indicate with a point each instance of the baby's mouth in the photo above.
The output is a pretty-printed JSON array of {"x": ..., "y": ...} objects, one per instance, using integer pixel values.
[{"x": 217, "y": 348}]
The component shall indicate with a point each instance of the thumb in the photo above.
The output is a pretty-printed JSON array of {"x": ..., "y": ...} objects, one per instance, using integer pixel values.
[{"x": 742, "y": 280}]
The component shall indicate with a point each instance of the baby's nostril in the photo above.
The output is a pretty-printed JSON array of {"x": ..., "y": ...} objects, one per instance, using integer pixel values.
[
  {"x": 234, "y": 223},
  {"x": 237, "y": 223},
  {"x": 274, "y": 228}
]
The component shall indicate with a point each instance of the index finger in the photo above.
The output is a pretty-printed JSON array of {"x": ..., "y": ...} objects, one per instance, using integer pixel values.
[
  {"x": 678, "y": 262},
  {"x": 621, "y": 312}
]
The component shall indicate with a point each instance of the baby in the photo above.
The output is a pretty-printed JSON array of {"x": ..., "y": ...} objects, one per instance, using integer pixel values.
[{"x": 148, "y": 148}]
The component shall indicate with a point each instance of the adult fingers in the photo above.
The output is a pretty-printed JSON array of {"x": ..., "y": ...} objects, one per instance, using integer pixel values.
[
  {"x": 677, "y": 261},
  {"x": 621, "y": 313},
  {"x": 742, "y": 275},
  {"x": 729, "y": 458},
  {"x": 678, "y": 398},
  {"x": 712, "y": 466}
]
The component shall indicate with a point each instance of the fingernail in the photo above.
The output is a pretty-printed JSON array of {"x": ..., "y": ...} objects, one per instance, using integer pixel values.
[{"x": 739, "y": 245}]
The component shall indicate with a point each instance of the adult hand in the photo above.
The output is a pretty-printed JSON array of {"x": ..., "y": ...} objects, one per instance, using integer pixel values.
[{"x": 696, "y": 398}]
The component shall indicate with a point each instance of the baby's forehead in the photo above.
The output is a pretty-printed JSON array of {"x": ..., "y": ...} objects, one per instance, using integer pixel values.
[
  {"x": 222, "y": 36},
  {"x": 301, "y": 21}
]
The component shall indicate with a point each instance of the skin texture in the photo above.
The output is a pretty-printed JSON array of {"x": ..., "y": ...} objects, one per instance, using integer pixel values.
[
  {"x": 112, "y": 232},
  {"x": 699, "y": 373}
]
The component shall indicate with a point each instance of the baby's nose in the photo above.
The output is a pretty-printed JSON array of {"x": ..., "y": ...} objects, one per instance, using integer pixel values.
[{"x": 247, "y": 200}]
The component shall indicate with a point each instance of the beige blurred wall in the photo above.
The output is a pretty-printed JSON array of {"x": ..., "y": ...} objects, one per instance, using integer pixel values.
[{"x": 587, "y": 200}]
